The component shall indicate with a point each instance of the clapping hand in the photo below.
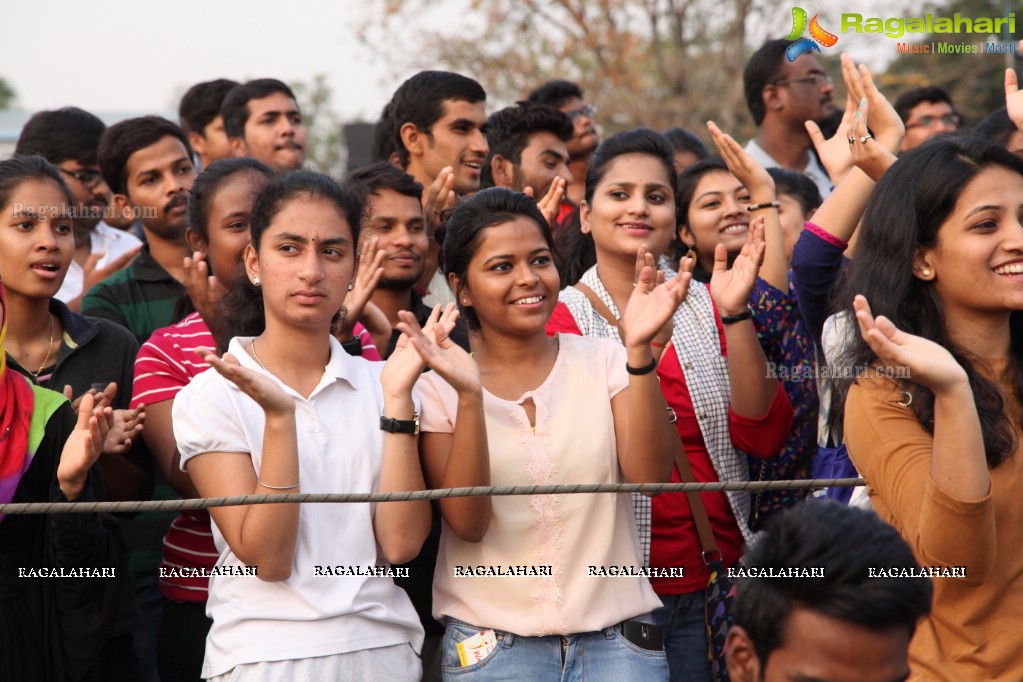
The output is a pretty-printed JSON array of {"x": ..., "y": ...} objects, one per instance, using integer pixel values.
[
  {"x": 264, "y": 390},
  {"x": 440, "y": 353},
  {"x": 755, "y": 178},
  {"x": 83, "y": 446},
  {"x": 929, "y": 364},
  {"x": 834, "y": 151},
  {"x": 204, "y": 289},
  {"x": 653, "y": 301},
  {"x": 731, "y": 287},
  {"x": 370, "y": 269},
  {"x": 550, "y": 203},
  {"x": 406, "y": 363}
]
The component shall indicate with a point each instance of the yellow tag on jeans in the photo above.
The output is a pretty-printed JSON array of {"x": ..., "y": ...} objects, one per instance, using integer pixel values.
[{"x": 474, "y": 649}]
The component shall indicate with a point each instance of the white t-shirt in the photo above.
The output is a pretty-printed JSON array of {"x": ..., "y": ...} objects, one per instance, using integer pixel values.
[
  {"x": 102, "y": 238},
  {"x": 340, "y": 448},
  {"x": 813, "y": 169}
]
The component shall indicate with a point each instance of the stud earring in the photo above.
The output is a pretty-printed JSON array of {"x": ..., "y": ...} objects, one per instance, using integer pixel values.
[
  {"x": 255, "y": 280},
  {"x": 926, "y": 272}
]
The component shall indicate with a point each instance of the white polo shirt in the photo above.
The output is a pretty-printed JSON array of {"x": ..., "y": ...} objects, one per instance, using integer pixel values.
[
  {"x": 102, "y": 238},
  {"x": 340, "y": 447}
]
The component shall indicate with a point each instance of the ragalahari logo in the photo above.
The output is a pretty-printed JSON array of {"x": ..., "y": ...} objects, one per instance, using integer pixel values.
[{"x": 803, "y": 45}]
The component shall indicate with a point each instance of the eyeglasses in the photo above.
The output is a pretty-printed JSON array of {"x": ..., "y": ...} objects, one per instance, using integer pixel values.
[
  {"x": 587, "y": 110},
  {"x": 954, "y": 120},
  {"x": 88, "y": 178},
  {"x": 814, "y": 79}
]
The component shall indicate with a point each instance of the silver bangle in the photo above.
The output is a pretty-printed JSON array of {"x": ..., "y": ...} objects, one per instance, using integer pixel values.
[{"x": 276, "y": 487}]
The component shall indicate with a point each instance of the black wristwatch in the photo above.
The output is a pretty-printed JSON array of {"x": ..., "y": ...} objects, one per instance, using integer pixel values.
[
  {"x": 744, "y": 315},
  {"x": 352, "y": 347},
  {"x": 409, "y": 426}
]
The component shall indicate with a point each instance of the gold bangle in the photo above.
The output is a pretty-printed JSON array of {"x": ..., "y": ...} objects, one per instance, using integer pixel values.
[{"x": 277, "y": 487}]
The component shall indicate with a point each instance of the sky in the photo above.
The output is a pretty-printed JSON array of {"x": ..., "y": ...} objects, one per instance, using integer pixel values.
[{"x": 124, "y": 55}]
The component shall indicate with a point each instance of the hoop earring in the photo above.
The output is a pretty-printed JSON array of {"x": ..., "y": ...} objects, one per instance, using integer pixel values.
[{"x": 694, "y": 254}]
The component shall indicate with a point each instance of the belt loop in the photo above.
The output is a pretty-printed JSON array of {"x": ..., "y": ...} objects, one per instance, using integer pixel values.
[
  {"x": 507, "y": 639},
  {"x": 609, "y": 632}
]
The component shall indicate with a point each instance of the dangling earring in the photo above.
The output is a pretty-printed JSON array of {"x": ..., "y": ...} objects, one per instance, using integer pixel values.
[
  {"x": 255, "y": 280},
  {"x": 350, "y": 285}
]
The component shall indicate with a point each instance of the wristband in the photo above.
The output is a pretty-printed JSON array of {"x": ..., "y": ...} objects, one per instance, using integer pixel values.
[
  {"x": 766, "y": 204},
  {"x": 409, "y": 426},
  {"x": 744, "y": 315},
  {"x": 640, "y": 371}
]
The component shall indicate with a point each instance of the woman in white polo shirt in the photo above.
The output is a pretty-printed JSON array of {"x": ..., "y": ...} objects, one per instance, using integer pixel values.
[{"x": 287, "y": 410}]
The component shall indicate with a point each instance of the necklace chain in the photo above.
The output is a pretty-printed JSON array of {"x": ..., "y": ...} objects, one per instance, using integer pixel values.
[
  {"x": 49, "y": 351},
  {"x": 255, "y": 355}
]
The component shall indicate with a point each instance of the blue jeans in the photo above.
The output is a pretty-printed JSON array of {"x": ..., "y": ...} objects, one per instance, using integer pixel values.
[
  {"x": 602, "y": 656},
  {"x": 684, "y": 627}
]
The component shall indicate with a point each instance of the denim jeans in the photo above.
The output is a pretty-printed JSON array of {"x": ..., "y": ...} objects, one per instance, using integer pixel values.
[
  {"x": 684, "y": 628},
  {"x": 602, "y": 656}
]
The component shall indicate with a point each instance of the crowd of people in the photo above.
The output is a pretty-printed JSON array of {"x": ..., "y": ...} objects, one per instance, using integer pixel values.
[{"x": 509, "y": 300}]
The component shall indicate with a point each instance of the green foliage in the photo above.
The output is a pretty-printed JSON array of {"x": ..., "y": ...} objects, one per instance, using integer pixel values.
[
  {"x": 325, "y": 150},
  {"x": 7, "y": 94}
]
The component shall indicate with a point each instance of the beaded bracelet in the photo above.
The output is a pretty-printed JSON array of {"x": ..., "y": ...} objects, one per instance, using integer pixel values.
[{"x": 766, "y": 204}]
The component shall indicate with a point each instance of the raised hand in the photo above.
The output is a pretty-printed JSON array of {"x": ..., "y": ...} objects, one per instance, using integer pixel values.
[
  {"x": 83, "y": 446},
  {"x": 93, "y": 275},
  {"x": 402, "y": 369},
  {"x": 757, "y": 181},
  {"x": 731, "y": 287},
  {"x": 884, "y": 122},
  {"x": 1014, "y": 99},
  {"x": 550, "y": 203},
  {"x": 929, "y": 363},
  {"x": 438, "y": 198},
  {"x": 266, "y": 392},
  {"x": 440, "y": 353},
  {"x": 653, "y": 301},
  {"x": 204, "y": 290},
  {"x": 367, "y": 275},
  {"x": 834, "y": 151},
  {"x": 872, "y": 157}
]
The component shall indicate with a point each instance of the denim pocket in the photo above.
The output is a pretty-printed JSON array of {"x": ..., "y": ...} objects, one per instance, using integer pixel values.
[
  {"x": 622, "y": 641},
  {"x": 456, "y": 631}
]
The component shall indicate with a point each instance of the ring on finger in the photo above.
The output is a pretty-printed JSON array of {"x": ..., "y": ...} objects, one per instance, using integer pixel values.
[
  {"x": 868, "y": 136},
  {"x": 852, "y": 139}
]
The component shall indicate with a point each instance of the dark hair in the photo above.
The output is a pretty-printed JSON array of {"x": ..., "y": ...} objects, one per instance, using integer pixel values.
[
  {"x": 761, "y": 70},
  {"x": 123, "y": 139},
  {"x": 235, "y": 107},
  {"x": 509, "y": 130},
  {"x": 420, "y": 101},
  {"x": 906, "y": 211},
  {"x": 905, "y": 102},
  {"x": 241, "y": 308},
  {"x": 997, "y": 127},
  {"x": 208, "y": 183},
  {"x": 555, "y": 93},
  {"x": 385, "y": 135},
  {"x": 685, "y": 191},
  {"x": 635, "y": 141},
  {"x": 846, "y": 542},
  {"x": 201, "y": 104},
  {"x": 682, "y": 140},
  {"x": 487, "y": 208},
  {"x": 381, "y": 175},
  {"x": 575, "y": 251},
  {"x": 18, "y": 169},
  {"x": 65, "y": 134},
  {"x": 798, "y": 186}
]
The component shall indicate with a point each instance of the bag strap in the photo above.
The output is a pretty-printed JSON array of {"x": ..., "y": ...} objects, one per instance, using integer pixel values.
[
  {"x": 600, "y": 307},
  {"x": 685, "y": 472}
]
